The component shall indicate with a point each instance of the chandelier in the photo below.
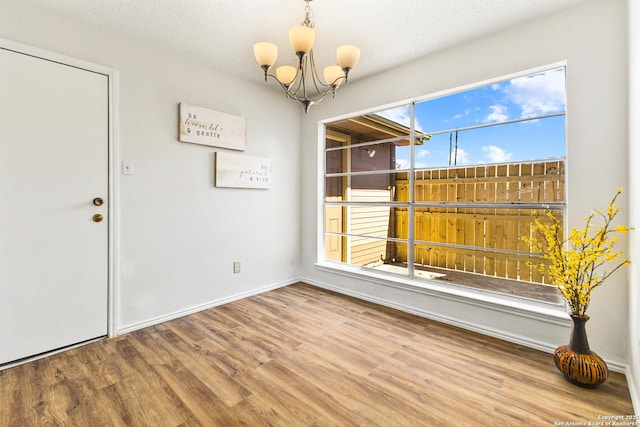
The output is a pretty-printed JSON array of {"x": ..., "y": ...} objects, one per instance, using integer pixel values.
[{"x": 302, "y": 83}]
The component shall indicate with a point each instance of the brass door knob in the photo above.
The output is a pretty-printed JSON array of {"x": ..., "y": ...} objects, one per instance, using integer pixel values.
[
  {"x": 98, "y": 201},
  {"x": 97, "y": 218}
]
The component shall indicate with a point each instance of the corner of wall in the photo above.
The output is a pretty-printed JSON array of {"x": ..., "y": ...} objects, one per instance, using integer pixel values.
[
  {"x": 633, "y": 368},
  {"x": 634, "y": 388}
]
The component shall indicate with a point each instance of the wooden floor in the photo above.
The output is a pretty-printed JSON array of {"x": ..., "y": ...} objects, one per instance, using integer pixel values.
[{"x": 301, "y": 356}]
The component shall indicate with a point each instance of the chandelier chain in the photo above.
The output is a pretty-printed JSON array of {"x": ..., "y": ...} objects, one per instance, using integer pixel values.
[{"x": 307, "y": 16}]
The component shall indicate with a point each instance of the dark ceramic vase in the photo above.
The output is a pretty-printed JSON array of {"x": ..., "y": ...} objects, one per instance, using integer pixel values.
[{"x": 577, "y": 362}]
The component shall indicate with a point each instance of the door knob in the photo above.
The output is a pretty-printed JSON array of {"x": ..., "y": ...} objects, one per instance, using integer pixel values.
[
  {"x": 98, "y": 201},
  {"x": 97, "y": 218}
]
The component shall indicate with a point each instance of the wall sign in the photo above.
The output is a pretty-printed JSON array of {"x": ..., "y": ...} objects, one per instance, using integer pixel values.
[
  {"x": 208, "y": 127},
  {"x": 240, "y": 171}
]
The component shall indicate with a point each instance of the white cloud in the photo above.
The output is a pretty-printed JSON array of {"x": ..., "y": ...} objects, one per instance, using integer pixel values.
[
  {"x": 464, "y": 114},
  {"x": 421, "y": 154},
  {"x": 538, "y": 94},
  {"x": 499, "y": 113},
  {"x": 496, "y": 154},
  {"x": 402, "y": 163},
  {"x": 461, "y": 157},
  {"x": 400, "y": 115}
]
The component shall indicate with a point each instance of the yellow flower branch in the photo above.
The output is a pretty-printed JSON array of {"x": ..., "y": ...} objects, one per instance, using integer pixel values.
[{"x": 574, "y": 262}]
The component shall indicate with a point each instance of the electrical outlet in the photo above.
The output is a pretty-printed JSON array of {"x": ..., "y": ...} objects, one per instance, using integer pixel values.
[{"x": 236, "y": 266}]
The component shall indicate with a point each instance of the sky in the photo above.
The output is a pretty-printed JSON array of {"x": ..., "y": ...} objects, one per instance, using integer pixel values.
[{"x": 529, "y": 96}]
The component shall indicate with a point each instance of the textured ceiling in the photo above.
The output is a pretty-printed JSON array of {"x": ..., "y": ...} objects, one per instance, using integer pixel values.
[{"x": 222, "y": 32}]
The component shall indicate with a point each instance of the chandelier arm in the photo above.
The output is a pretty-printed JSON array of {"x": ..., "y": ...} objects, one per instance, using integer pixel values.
[
  {"x": 341, "y": 78},
  {"x": 346, "y": 74},
  {"x": 320, "y": 96},
  {"x": 321, "y": 92},
  {"x": 286, "y": 88},
  {"x": 295, "y": 86},
  {"x": 314, "y": 76},
  {"x": 266, "y": 70},
  {"x": 293, "y": 93},
  {"x": 303, "y": 76}
]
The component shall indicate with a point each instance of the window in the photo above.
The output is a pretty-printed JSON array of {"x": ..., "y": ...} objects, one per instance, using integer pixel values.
[{"x": 445, "y": 189}]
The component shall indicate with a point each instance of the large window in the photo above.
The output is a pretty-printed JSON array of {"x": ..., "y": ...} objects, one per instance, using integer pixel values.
[{"x": 445, "y": 189}]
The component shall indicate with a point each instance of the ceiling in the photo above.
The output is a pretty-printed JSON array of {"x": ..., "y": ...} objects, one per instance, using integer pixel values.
[{"x": 221, "y": 33}]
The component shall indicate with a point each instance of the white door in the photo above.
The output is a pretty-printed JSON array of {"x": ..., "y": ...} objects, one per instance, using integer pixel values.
[{"x": 53, "y": 163}]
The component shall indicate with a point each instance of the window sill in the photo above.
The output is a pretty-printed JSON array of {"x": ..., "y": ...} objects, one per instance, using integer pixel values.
[{"x": 539, "y": 310}]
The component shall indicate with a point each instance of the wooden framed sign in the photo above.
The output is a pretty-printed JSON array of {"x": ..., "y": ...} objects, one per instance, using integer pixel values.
[
  {"x": 208, "y": 127},
  {"x": 240, "y": 171}
]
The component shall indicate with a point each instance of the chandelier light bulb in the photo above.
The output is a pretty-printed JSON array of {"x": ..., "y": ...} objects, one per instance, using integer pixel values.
[
  {"x": 286, "y": 74},
  {"x": 266, "y": 53},
  {"x": 301, "y": 39},
  {"x": 348, "y": 56},
  {"x": 333, "y": 75}
]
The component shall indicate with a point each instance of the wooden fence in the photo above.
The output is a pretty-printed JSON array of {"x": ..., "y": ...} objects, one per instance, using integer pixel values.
[{"x": 472, "y": 237}]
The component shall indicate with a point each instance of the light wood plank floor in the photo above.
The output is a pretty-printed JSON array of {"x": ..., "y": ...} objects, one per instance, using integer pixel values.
[{"x": 301, "y": 356}]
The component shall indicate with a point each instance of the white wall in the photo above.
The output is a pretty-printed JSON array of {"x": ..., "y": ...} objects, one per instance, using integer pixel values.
[
  {"x": 179, "y": 235},
  {"x": 633, "y": 374},
  {"x": 592, "y": 39}
]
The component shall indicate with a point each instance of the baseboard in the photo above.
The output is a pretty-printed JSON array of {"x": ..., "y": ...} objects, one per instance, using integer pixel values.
[
  {"x": 437, "y": 317},
  {"x": 200, "y": 307},
  {"x": 495, "y": 333},
  {"x": 47, "y": 354}
]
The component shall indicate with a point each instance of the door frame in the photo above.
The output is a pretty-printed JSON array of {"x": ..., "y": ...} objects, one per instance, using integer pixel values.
[{"x": 112, "y": 160}]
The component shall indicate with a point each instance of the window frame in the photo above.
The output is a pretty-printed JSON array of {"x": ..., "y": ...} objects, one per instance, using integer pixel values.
[{"x": 410, "y": 278}]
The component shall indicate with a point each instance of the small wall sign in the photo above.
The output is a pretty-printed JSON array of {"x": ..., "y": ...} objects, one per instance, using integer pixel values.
[
  {"x": 240, "y": 171},
  {"x": 208, "y": 127}
]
